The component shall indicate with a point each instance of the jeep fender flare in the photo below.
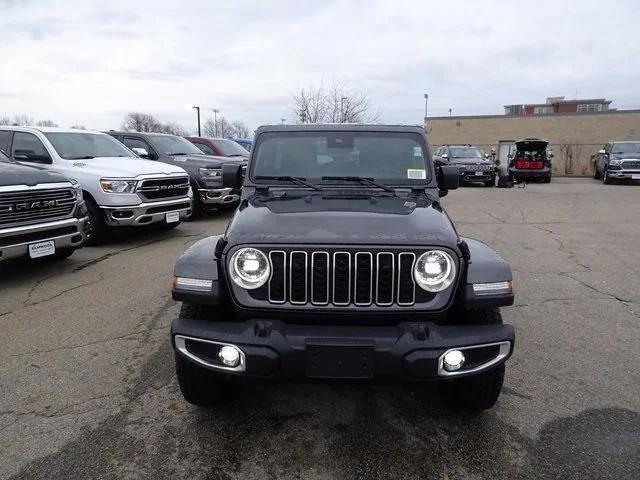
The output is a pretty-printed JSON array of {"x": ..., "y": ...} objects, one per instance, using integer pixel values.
[
  {"x": 200, "y": 261},
  {"x": 484, "y": 266}
]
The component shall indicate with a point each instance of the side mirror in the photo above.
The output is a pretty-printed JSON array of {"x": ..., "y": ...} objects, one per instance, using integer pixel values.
[
  {"x": 444, "y": 156},
  {"x": 232, "y": 175},
  {"x": 31, "y": 156},
  {"x": 602, "y": 152},
  {"x": 141, "y": 152},
  {"x": 447, "y": 179}
]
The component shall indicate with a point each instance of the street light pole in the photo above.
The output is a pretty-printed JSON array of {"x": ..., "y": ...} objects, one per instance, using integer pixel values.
[
  {"x": 426, "y": 102},
  {"x": 198, "y": 110},
  {"x": 215, "y": 121}
]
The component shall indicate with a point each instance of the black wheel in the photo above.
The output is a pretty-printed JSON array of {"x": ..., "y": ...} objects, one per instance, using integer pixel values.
[
  {"x": 605, "y": 176},
  {"x": 200, "y": 386},
  {"x": 480, "y": 391},
  {"x": 596, "y": 173},
  {"x": 97, "y": 231}
]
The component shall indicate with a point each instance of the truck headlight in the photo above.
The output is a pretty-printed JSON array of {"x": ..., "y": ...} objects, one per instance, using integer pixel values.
[
  {"x": 118, "y": 186},
  {"x": 77, "y": 190},
  {"x": 249, "y": 268},
  {"x": 434, "y": 271},
  {"x": 210, "y": 172},
  {"x": 615, "y": 161}
]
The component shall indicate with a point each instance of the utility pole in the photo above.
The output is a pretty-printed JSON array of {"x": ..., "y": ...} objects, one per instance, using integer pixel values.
[
  {"x": 426, "y": 103},
  {"x": 449, "y": 112},
  {"x": 198, "y": 110},
  {"x": 215, "y": 121},
  {"x": 282, "y": 120},
  {"x": 342, "y": 99}
]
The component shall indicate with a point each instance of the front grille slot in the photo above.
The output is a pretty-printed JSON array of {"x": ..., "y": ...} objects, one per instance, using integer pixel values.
[
  {"x": 635, "y": 164},
  {"x": 342, "y": 278},
  {"x": 163, "y": 188},
  {"x": 36, "y": 205}
]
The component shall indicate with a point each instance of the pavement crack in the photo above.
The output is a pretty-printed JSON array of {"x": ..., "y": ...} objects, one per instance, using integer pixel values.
[
  {"x": 107, "y": 256},
  {"x": 86, "y": 284}
]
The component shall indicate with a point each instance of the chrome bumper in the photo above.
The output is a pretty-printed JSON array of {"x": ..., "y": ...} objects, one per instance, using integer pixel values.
[
  {"x": 67, "y": 233},
  {"x": 147, "y": 213},
  {"x": 628, "y": 174},
  {"x": 217, "y": 196}
]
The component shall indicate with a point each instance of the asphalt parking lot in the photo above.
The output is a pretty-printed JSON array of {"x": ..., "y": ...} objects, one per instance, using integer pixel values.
[{"x": 87, "y": 388}]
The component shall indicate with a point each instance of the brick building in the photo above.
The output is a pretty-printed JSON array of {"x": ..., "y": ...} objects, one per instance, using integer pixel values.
[{"x": 574, "y": 136}]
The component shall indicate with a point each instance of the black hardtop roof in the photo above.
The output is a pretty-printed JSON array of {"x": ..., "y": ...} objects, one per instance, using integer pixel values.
[{"x": 342, "y": 127}]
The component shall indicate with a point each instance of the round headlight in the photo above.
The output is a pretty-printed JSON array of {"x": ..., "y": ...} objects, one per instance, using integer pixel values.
[
  {"x": 434, "y": 271},
  {"x": 250, "y": 268}
]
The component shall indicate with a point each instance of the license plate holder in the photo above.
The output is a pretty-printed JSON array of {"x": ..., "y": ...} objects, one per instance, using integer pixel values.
[
  {"x": 42, "y": 249},
  {"x": 172, "y": 217},
  {"x": 479, "y": 174},
  {"x": 340, "y": 361}
]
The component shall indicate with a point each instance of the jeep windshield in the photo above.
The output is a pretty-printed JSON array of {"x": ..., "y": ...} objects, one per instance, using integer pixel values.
[
  {"x": 339, "y": 157},
  {"x": 630, "y": 147},
  {"x": 85, "y": 146},
  {"x": 465, "y": 152},
  {"x": 170, "y": 145}
]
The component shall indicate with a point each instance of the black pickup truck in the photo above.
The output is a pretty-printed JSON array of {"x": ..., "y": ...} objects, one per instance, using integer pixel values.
[
  {"x": 205, "y": 171},
  {"x": 341, "y": 263},
  {"x": 42, "y": 214}
]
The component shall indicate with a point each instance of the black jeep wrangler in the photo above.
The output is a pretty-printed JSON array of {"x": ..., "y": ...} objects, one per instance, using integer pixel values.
[{"x": 341, "y": 263}]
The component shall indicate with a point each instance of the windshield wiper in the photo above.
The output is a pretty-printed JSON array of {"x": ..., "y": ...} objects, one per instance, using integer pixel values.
[
  {"x": 298, "y": 180},
  {"x": 84, "y": 157},
  {"x": 363, "y": 180}
]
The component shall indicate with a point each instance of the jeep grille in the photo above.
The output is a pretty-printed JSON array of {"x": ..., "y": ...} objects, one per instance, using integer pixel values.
[
  {"x": 35, "y": 205},
  {"x": 163, "y": 188},
  {"x": 342, "y": 277}
]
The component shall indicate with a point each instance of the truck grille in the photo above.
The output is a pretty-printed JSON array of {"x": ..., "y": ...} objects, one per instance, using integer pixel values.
[
  {"x": 35, "y": 205},
  {"x": 632, "y": 164},
  {"x": 164, "y": 188},
  {"x": 342, "y": 277}
]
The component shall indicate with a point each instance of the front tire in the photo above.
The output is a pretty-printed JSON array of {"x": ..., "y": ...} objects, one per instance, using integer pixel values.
[
  {"x": 97, "y": 231},
  {"x": 605, "y": 177},
  {"x": 596, "y": 172},
  {"x": 480, "y": 391},
  {"x": 200, "y": 386}
]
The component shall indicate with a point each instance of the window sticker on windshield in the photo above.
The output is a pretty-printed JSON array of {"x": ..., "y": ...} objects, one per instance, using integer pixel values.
[
  {"x": 416, "y": 173},
  {"x": 417, "y": 151}
]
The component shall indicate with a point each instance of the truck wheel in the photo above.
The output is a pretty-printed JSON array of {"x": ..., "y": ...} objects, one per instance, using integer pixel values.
[
  {"x": 605, "y": 177},
  {"x": 97, "y": 229},
  {"x": 480, "y": 391},
  {"x": 200, "y": 386},
  {"x": 596, "y": 173}
]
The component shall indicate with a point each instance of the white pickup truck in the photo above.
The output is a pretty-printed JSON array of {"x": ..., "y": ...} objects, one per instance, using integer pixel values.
[{"x": 120, "y": 189}]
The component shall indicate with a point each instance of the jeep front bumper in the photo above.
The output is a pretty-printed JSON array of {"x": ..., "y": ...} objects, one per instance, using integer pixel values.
[
  {"x": 146, "y": 213},
  {"x": 67, "y": 233},
  {"x": 214, "y": 197},
  {"x": 409, "y": 351}
]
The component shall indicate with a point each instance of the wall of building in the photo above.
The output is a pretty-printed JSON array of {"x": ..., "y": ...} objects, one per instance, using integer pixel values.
[{"x": 574, "y": 138}]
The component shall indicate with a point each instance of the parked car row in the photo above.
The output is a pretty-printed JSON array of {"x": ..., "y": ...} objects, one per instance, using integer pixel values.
[{"x": 60, "y": 189}]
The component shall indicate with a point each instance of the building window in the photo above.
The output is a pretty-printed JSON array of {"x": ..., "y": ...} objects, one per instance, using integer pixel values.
[
  {"x": 589, "y": 107},
  {"x": 543, "y": 110}
]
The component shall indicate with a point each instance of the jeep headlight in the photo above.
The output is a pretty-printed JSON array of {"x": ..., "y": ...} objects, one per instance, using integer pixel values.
[
  {"x": 118, "y": 186},
  {"x": 249, "y": 268},
  {"x": 434, "y": 271}
]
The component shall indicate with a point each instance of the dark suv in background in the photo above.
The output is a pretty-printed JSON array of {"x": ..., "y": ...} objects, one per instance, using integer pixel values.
[
  {"x": 221, "y": 147},
  {"x": 618, "y": 161},
  {"x": 205, "y": 170},
  {"x": 473, "y": 165}
]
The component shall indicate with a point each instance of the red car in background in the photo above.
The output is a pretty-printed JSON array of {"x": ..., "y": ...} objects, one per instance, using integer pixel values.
[
  {"x": 221, "y": 147},
  {"x": 531, "y": 161}
]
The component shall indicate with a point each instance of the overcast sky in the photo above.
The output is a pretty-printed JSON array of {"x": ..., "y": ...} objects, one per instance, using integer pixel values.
[{"x": 88, "y": 63}]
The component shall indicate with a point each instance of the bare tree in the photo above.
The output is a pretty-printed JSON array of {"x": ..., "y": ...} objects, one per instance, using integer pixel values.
[
  {"x": 218, "y": 128},
  {"x": 333, "y": 104},
  {"x": 46, "y": 123},
  {"x": 173, "y": 128},
  {"x": 141, "y": 122},
  {"x": 78, "y": 127},
  {"x": 5, "y": 120},
  {"x": 240, "y": 130}
]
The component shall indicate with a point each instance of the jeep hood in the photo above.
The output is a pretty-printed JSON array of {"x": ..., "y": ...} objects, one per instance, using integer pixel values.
[
  {"x": 320, "y": 219},
  {"x": 124, "y": 167},
  {"x": 16, "y": 174}
]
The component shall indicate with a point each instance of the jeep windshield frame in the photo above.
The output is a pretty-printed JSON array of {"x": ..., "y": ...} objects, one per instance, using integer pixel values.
[{"x": 394, "y": 158}]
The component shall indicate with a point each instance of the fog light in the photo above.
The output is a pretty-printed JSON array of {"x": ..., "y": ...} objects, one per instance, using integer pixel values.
[
  {"x": 453, "y": 360},
  {"x": 229, "y": 356}
]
